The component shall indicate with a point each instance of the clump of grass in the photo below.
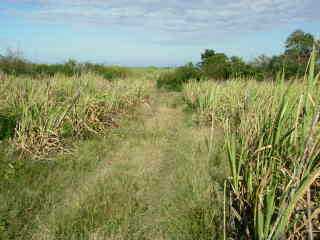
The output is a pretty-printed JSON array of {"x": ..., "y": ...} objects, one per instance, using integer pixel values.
[
  {"x": 215, "y": 102},
  {"x": 272, "y": 144},
  {"x": 43, "y": 113},
  {"x": 275, "y": 164}
]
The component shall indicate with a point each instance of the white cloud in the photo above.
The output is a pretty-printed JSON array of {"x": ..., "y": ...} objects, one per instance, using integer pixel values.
[{"x": 189, "y": 18}]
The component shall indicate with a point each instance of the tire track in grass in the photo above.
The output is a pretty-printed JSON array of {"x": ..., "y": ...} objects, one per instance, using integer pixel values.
[
  {"x": 143, "y": 158},
  {"x": 146, "y": 169}
]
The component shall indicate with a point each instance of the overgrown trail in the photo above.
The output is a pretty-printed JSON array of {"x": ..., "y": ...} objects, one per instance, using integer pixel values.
[{"x": 152, "y": 183}]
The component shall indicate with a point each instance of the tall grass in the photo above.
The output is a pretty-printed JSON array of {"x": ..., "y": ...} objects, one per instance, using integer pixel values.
[
  {"x": 275, "y": 167},
  {"x": 40, "y": 114},
  {"x": 272, "y": 141},
  {"x": 14, "y": 64},
  {"x": 147, "y": 179}
]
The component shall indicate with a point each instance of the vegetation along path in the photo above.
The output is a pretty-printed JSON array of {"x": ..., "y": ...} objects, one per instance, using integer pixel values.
[{"x": 148, "y": 179}]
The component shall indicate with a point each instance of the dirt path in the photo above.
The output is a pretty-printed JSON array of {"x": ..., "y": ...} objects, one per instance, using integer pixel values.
[{"x": 145, "y": 188}]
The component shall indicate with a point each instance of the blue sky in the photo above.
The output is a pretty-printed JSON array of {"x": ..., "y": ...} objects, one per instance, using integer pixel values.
[{"x": 151, "y": 32}]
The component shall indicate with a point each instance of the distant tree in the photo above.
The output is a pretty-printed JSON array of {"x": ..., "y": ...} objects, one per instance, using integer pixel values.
[
  {"x": 174, "y": 80},
  {"x": 237, "y": 61},
  {"x": 215, "y": 65},
  {"x": 237, "y": 66},
  {"x": 13, "y": 54},
  {"x": 14, "y": 63},
  {"x": 276, "y": 64},
  {"x": 261, "y": 62},
  {"x": 72, "y": 67},
  {"x": 219, "y": 66},
  {"x": 299, "y": 46},
  {"x": 208, "y": 53}
]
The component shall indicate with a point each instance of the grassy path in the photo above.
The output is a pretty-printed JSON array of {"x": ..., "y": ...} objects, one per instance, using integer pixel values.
[{"x": 149, "y": 179}]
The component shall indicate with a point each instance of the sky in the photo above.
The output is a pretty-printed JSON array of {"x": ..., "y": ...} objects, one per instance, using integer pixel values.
[{"x": 151, "y": 32}]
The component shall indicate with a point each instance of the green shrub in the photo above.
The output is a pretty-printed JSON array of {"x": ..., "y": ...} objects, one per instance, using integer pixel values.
[
  {"x": 219, "y": 66},
  {"x": 108, "y": 72},
  {"x": 7, "y": 126},
  {"x": 174, "y": 80},
  {"x": 17, "y": 66}
]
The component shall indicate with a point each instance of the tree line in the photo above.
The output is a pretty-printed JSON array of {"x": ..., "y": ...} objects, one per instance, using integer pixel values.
[
  {"x": 213, "y": 65},
  {"x": 14, "y": 64},
  {"x": 293, "y": 60},
  {"x": 218, "y": 66}
]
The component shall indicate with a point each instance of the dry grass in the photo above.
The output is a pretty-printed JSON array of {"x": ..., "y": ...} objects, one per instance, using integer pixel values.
[
  {"x": 272, "y": 143},
  {"x": 46, "y": 112},
  {"x": 142, "y": 168},
  {"x": 150, "y": 178}
]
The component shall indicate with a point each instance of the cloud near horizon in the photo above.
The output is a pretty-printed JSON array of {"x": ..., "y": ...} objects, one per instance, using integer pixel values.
[
  {"x": 172, "y": 19},
  {"x": 144, "y": 32}
]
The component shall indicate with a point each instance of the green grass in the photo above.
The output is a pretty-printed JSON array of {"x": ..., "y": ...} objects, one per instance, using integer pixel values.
[
  {"x": 87, "y": 158},
  {"x": 149, "y": 178},
  {"x": 272, "y": 143},
  {"x": 43, "y": 113}
]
